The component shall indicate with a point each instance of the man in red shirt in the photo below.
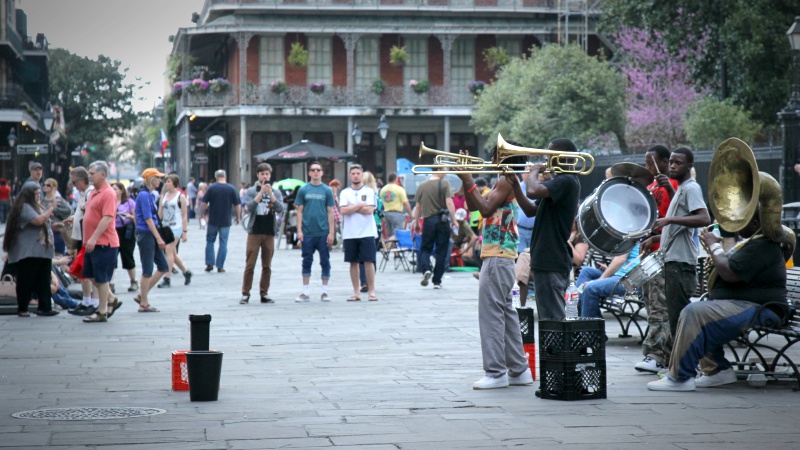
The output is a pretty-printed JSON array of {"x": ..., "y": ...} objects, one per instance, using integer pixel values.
[
  {"x": 102, "y": 241},
  {"x": 5, "y": 200},
  {"x": 657, "y": 345}
]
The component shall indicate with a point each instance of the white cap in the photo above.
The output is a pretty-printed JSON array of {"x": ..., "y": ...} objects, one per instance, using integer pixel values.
[{"x": 461, "y": 214}]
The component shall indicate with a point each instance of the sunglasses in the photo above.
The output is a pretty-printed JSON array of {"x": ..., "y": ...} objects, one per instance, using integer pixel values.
[{"x": 48, "y": 185}]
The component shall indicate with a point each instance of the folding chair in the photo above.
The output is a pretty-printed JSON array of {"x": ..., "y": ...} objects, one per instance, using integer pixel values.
[{"x": 404, "y": 250}]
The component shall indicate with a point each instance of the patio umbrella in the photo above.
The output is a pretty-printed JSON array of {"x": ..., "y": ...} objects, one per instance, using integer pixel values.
[
  {"x": 288, "y": 184},
  {"x": 304, "y": 151}
]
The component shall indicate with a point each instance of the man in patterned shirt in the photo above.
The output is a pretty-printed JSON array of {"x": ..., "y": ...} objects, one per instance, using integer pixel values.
[{"x": 504, "y": 361}]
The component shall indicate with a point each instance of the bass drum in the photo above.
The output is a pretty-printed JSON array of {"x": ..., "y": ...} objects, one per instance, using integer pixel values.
[{"x": 616, "y": 215}]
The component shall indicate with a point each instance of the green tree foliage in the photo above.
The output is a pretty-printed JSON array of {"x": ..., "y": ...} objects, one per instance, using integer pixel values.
[
  {"x": 711, "y": 121},
  {"x": 96, "y": 101},
  {"x": 748, "y": 58},
  {"x": 556, "y": 92}
]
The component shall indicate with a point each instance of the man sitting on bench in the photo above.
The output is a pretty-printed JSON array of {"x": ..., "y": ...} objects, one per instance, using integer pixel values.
[
  {"x": 596, "y": 284},
  {"x": 752, "y": 273}
]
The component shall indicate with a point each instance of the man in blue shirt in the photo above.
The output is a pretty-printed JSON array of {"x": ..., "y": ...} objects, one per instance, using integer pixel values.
[
  {"x": 314, "y": 203},
  {"x": 218, "y": 201},
  {"x": 595, "y": 284}
]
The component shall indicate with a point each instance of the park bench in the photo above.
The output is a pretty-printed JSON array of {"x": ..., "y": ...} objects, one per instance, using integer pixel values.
[{"x": 771, "y": 358}]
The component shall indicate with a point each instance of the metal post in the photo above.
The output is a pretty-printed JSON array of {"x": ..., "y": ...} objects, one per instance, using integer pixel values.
[{"x": 789, "y": 118}]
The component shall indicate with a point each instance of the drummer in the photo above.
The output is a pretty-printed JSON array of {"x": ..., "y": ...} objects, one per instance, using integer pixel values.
[
  {"x": 687, "y": 211},
  {"x": 657, "y": 345}
]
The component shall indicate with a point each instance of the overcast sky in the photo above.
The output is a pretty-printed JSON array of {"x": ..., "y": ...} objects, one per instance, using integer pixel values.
[{"x": 134, "y": 32}]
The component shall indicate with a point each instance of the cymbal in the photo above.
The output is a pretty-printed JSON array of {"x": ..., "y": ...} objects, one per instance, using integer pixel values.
[{"x": 638, "y": 173}]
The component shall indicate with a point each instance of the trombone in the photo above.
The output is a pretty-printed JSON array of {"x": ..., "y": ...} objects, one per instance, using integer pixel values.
[{"x": 557, "y": 161}]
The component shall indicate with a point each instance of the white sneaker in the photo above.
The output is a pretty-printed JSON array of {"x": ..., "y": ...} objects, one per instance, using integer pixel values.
[
  {"x": 425, "y": 278},
  {"x": 324, "y": 297},
  {"x": 303, "y": 298},
  {"x": 721, "y": 378},
  {"x": 524, "y": 379},
  {"x": 648, "y": 365},
  {"x": 667, "y": 384},
  {"x": 437, "y": 286},
  {"x": 491, "y": 383}
]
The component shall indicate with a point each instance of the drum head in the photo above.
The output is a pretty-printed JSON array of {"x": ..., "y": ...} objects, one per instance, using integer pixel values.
[{"x": 625, "y": 208}]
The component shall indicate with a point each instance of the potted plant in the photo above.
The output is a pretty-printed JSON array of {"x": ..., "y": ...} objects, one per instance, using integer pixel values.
[
  {"x": 317, "y": 88},
  {"x": 420, "y": 87},
  {"x": 476, "y": 87},
  {"x": 495, "y": 57},
  {"x": 197, "y": 85},
  {"x": 398, "y": 55},
  {"x": 278, "y": 87},
  {"x": 220, "y": 85},
  {"x": 378, "y": 86},
  {"x": 298, "y": 55}
]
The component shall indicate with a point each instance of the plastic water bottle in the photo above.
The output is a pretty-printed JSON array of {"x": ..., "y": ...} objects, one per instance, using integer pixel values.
[
  {"x": 571, "y": 297},
  {"x": 515, "y": 295}
]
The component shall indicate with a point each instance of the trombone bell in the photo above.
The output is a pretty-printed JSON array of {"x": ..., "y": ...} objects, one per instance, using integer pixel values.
[{"x": 558, "y": 161}]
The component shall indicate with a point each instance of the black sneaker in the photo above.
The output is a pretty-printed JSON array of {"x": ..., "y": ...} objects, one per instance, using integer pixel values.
[
  {"x": 209, "y": 268},
  {"x": 245, "y": 299},
  {"x": 77, "y": 309},
  {"x": 266, "y": 299},
  {"x": 87, "y": 311},
  {"x": 187, "y": 277},
  {"x": 166, "y": 283},
  {"x": 51, "y": 312}
]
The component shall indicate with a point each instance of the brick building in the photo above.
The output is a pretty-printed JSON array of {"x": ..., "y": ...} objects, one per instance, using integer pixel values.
[{"x": 270, "y": 102}]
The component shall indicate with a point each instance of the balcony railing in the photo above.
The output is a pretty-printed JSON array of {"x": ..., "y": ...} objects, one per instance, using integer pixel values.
[
  {"x": 393, "y": 4},
  {"x": 12, "y": 96},
  {"x": 13, "y": 40},
  {"x": 333, "y": 96}
]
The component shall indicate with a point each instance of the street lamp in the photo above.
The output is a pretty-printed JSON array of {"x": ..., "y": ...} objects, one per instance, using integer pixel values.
[
  {"x": 357, "y": 138},
  {"x": 47, "y": 120},
  {"x": 790, "y": 121},
  {"x": 383, "y": 130},
  {"x": 12, "y": 138}
]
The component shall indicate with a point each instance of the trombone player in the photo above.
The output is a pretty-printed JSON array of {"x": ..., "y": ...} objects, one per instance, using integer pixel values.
[{"x": 551, "y": 255}]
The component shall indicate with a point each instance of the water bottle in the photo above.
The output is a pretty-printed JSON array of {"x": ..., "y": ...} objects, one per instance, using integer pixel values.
[
  {"x": 571, "y": 297},
  {"x": 515, "y": 295},
  {"x": 531, "y": 298}
]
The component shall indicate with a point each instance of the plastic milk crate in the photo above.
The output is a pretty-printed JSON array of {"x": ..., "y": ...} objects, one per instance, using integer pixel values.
[
  {"x": 526, "y": 327},
  {"x": 581, "y": 379},
  {"x": 561, "y": 340},
  {"x": 180, "y": 374}
]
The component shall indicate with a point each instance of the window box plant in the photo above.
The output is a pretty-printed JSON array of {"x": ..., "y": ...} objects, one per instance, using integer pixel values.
[
  {"x": 378, "y": 86},
  {"x": 420, "y": 87},
  {"x": 220, "y": 85},
  {"x": 278, "y": 87},
  {"x": 317, "y": 88},
  {"x": 495, "y": 57},
  {"x": 298, "y": 55},
  {"x": 476, "y": 87},
  {"x": 398, "y": 55}
]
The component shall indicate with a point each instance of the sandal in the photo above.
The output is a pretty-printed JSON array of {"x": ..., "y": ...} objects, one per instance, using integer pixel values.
[
  {"x": 138, "y": 299},
  {"x": 147, "y": 309},
  {"x": 96, "y": 318},
  {"x": 114, "y": 307},
  {"x": 354, "y": 299},
  {"x": 373, "y": 298}
]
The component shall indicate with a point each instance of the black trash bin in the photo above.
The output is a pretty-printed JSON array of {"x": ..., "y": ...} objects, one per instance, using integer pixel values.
[
  {"x": 205, "y": 368},
  {"x": 200, "y": 330}
]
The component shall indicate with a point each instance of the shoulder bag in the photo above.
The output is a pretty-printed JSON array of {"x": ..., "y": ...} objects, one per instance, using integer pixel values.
[{"x": 8, "y": 287}]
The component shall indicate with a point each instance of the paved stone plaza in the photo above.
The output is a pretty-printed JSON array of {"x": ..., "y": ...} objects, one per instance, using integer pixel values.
[{"x": 392, "y": 374}]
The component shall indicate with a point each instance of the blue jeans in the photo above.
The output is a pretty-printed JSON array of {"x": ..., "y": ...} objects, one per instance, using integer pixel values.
[
  {"x": 211, "y": 236},
  {"x": 434, "y": 232},
  {"x": 62, "y": 298},
  {"x": 595, "y": 290},
  {"x": 320, "y": 244},
  {"x": 150, "y": 254}
]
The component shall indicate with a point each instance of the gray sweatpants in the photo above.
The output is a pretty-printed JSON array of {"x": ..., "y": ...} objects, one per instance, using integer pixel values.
[{"x": 501, "y": 339}]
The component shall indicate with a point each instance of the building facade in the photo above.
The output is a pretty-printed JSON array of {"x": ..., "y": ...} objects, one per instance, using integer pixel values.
[
  {"x": 352, "y": 75},
  {"x": 24, "y": 89}
]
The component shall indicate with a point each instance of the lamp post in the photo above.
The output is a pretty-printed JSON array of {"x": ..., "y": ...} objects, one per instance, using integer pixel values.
[
  {"x": 789, "y": 118},
  {"x": 47, "y": 120},
  {"x": 383, "y": 131},
  {"x": 357, "y": 138}
]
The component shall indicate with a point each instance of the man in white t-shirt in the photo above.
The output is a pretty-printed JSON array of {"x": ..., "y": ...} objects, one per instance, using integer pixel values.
[{"x": 357, "y": 204}]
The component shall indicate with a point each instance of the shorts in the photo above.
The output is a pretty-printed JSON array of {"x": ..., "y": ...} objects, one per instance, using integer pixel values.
[
  {"x": 360, "y": 250},
  {"x": 99, "y": 264},
  {"x": 150, "y": 254},
  {"x": 522, "y": 270}
]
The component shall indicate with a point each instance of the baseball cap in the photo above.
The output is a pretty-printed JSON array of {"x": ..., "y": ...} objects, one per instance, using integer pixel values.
[
  {"x": 149, "y": 173},
  {"x": 461, "y": 214},
  {"x": 35, "y": 165}
]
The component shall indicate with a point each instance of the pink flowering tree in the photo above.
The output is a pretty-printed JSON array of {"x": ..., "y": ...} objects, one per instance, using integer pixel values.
[{"x": 660, "y": 87}]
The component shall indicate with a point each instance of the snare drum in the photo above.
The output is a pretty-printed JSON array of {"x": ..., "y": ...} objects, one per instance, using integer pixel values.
[
  {"x": 616, "y": 215},
  {"x": 645, "y": 271}
]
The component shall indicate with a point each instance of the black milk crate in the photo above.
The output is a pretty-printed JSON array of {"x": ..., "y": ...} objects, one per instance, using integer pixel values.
[
  {"x": 569, "y": 380},
  {"x": 526, "y": 325},
  {"x": 562, "y": 340}
]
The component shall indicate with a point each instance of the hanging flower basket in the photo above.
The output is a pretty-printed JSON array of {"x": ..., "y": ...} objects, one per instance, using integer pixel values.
[
  {"x": 398, "y": 55},
  {"x": 220, "y": 85},
  {"x": 476, "y": 87},
  {"x": 197, "y": 85},
  {"x": 317, "y": 88},
  {"x": 278, "y": 87},
  {"x": 420, "y": 87},
  {"x": 298, "y": 55}
]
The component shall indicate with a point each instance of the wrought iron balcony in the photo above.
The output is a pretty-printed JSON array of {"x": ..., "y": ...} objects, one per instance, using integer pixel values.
[
  {"x": 393, "y": 4},
  {"x": 331, "y": 97},
  {"x": 13, "y": 96}
]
